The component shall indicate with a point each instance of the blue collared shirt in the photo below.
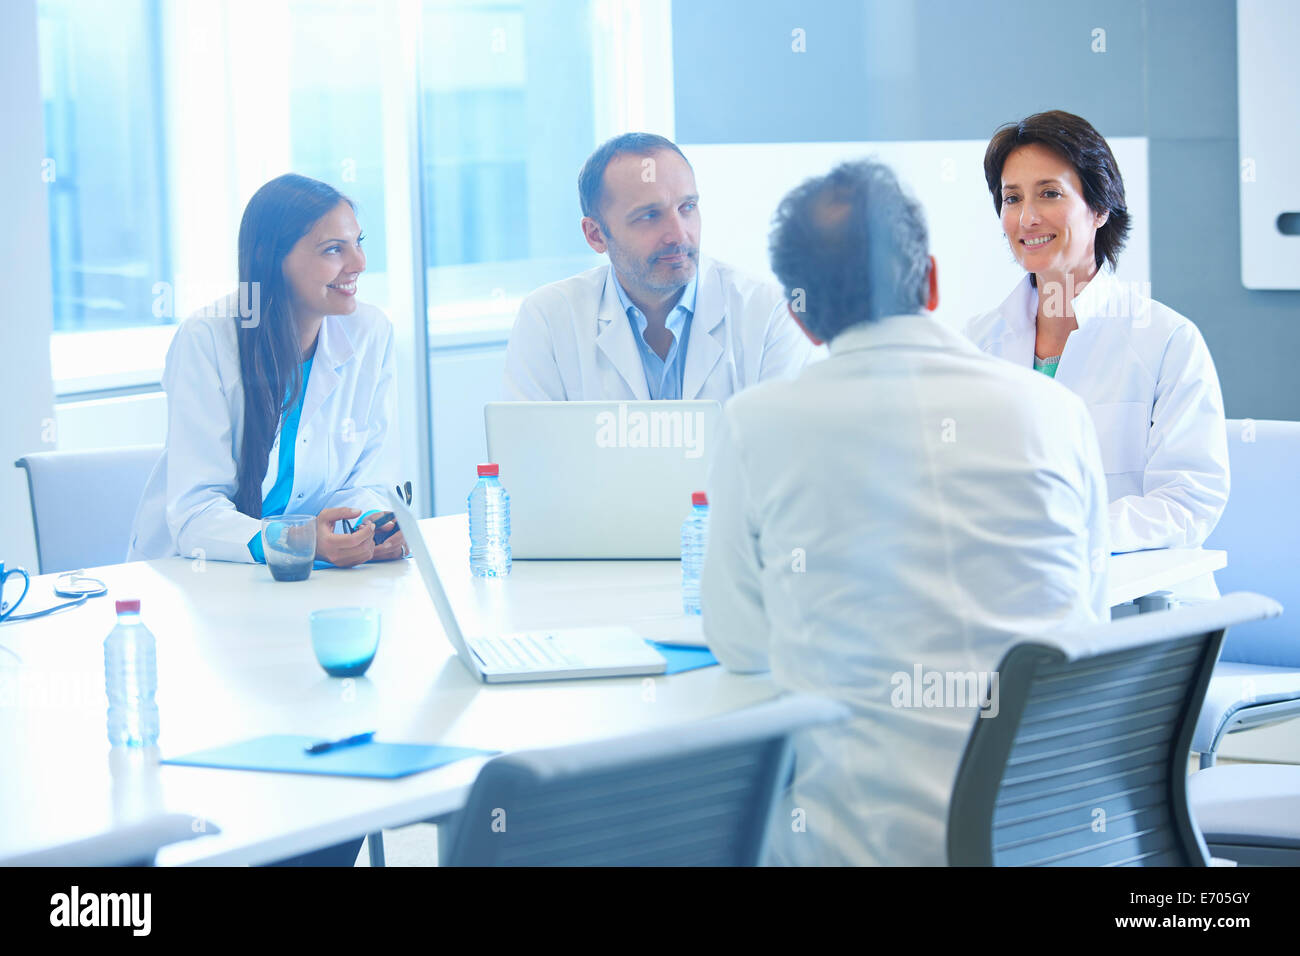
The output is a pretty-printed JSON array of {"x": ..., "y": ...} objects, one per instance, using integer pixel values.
[{"x": 663, "y": 376}]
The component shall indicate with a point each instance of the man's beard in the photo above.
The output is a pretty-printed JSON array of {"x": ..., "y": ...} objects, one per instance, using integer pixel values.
[{"x": 643, "y": 275}]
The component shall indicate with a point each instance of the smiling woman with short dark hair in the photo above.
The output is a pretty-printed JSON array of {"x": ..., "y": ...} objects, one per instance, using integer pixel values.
[
  {"x": 1101, "y": 185},
  {"x": 1143, "y": 369}
]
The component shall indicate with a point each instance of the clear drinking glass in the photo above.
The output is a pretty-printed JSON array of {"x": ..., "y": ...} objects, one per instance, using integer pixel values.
[{"x": 289, "y": 545}]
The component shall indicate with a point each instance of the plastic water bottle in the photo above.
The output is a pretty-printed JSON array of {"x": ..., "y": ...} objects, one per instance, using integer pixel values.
[
  {"x": 489, "y": 525},
  {"x": 131, "y": 679},
  {"x": 695, "y": 535}
]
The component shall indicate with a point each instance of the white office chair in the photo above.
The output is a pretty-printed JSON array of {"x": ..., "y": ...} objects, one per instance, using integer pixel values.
[
  {"x": 1249, "y": 813},
  {"x": 135, "y": 844},
  {"x": 84, "y": 502},
  {"x": 1257, "y": 680},
  {"x": 697, "y": 795}
]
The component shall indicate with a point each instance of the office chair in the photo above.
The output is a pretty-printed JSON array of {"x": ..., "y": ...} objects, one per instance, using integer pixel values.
[
  {"x": 697, "y": 795},
  {"x": 1257, "y": 680},
  {"x": 84, "y": 502},
  {"x": 1249, "y": 813},
  {"x": 136, "y": 844},
  {"x": 1086, "y": 762}
]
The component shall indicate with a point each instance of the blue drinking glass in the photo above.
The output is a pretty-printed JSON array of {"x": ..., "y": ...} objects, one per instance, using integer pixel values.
[{"x": 345, "y": 639}]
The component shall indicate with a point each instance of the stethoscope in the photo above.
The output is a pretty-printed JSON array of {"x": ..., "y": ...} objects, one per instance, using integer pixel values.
[{"x": 75, "y": 585}]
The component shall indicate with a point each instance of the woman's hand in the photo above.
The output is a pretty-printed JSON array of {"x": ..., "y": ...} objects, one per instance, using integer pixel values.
[
  {"x": 393, "y": 547},
  {"x": 344, "y": 550}
]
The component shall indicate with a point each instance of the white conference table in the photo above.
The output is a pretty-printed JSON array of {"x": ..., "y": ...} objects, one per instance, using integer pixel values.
[
  {"x": 235, "y": 661},
  {"x": 1141, "y": 573}
]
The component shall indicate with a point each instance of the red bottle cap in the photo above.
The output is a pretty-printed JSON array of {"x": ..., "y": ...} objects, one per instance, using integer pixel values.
[
  {"x": 699, "y": 498},
  {"x": 128, "y": 607},
  {"x": 488, "y": 471}
]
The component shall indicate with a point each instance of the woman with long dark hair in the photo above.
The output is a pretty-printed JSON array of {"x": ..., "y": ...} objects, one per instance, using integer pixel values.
[{"x": 280, "y": 397}]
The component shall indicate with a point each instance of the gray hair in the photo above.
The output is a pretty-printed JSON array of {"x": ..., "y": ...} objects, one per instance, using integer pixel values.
[{"x": 850, "y": 247}]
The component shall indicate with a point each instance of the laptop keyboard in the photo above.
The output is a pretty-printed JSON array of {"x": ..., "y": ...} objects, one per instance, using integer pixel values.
[{"x": 523, "y": 652}]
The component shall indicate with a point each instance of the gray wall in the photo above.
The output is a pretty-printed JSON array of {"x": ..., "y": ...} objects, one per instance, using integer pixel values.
[
  {"x": 1195, "y": 219},
  {"x": 950, "y": 69},
  {"x": 26, "y": 392}
]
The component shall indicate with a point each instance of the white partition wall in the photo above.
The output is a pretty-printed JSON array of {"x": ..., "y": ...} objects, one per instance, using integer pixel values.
[
  {"x": 112, "y": 422},
  {"x": 26, "y": 393},
  {"x": 741, "y": 185},
  {"x": 462, "y": 379}
]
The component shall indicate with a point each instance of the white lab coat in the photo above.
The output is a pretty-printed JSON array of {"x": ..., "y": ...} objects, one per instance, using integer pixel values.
[
  {"x": 347, "y": 454},
  {"x": 1153, "y": 393},
  {"x": 905, "y": 503},
  {"x": 572, "y": 341}
]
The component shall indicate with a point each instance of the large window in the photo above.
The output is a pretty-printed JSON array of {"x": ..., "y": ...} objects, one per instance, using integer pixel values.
[
  {"x": 105, "y": 167},
  {"x": 335, "y": 108},
  {"x": 507, "y": 118},
  {"x": 162, "y": 119},
  {"x": 457, "y": 126}
]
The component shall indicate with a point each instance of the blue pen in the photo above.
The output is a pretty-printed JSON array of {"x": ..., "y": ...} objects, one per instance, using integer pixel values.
[{"x": 325, "y": 746}]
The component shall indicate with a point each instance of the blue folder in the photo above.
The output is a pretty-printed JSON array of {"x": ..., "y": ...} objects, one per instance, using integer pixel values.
[
  {"x": 284, "y": 753},
  {"x": 683, "y": 658}
]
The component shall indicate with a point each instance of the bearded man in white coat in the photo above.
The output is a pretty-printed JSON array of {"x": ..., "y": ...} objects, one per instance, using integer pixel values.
[
  {"x": 906, "y": 508},
  {"x": 659, "y": 321}
]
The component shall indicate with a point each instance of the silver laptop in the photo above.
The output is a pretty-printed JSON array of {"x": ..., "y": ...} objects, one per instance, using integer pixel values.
[
  {"x": 600, "y": 479},
  {"x": 534, "y": 655}
]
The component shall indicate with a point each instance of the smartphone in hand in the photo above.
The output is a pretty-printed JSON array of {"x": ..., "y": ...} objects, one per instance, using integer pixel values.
[{"x": 380, "y": 520}]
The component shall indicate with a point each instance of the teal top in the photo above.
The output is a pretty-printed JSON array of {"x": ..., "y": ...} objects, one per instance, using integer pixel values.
[
  {"x": 277, "y": 499},
  {"x": 1047, "y": 366}
]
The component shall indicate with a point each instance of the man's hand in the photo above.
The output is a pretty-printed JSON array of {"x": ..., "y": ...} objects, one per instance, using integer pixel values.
[{"x": 344, "y": 550}]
